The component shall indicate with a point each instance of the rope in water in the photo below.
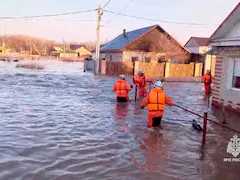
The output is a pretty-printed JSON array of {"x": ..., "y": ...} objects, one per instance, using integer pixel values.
[{"x": 217, "y": 123}]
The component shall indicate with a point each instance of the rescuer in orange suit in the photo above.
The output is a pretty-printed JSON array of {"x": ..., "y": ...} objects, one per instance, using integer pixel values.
[
  {"x": 155, "y": 101},
  {"x": 140, "y": 81},
  {"x": 207, "y": 80},
  {"x": 121, "y": 87}
]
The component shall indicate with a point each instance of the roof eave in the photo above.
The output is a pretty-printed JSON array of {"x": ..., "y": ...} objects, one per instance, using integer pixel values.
[
  {"x": 225, "y": 20},
  {"x": 111, "y": 50}
]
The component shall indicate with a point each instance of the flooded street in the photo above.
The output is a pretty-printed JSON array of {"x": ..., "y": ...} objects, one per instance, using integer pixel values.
[{"x": 62, "y": 124}]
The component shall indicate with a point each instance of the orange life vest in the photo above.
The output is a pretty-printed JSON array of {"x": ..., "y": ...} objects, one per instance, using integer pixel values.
[
  {"x": 207, "y": 79},
  {"x": 156, "y": 100},
  {"x": 121, "y": 88},
  {"x": 141, "y": 80}
]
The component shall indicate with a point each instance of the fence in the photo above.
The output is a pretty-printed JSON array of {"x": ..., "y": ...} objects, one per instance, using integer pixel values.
[
  {"x": 116, "y": 68},
  {"x": 205, "y": 120},
  {"x": 152, "y": 69}
]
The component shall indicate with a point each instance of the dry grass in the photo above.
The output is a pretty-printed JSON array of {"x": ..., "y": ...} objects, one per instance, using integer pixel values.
[{"x": 30, "y": 66}]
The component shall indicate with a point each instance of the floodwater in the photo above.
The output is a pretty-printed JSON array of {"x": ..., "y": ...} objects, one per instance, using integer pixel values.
[{"x": 62, "y": 124}]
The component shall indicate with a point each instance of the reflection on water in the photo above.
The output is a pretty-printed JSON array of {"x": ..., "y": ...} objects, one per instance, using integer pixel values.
[{"x": 61, "y": 123}]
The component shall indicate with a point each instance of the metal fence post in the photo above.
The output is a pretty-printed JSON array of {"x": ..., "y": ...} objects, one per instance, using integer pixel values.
[{"x": 204, "y": 129}]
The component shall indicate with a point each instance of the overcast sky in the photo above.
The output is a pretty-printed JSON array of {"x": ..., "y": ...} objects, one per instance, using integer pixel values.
[{"x": 210, "y": 13}]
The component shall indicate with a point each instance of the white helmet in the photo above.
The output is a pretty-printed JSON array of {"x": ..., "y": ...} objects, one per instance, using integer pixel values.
[
  {"x": 122, "y": 76},
  {"x": 140, "y": 71},
  {"x": 158, "y": 84}
]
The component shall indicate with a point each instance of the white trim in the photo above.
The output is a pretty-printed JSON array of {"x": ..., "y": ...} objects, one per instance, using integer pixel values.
[
  {"x": 226, "y": 43},
  {"x": 235, "y": 89}
]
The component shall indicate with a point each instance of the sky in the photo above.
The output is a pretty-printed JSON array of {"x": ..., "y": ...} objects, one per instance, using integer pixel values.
[{"x": 82, "y": 27}]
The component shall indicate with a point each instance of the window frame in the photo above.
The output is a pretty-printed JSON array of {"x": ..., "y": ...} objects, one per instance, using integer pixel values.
[{"x": 232, "y": 75}]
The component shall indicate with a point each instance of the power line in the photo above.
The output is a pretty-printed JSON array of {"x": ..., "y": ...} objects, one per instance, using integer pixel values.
[
  {"x": 149, "y": 19},
  {"x": 65, "y": 20},
  {"x": 50, "y": 15},
  {"x": 118, "y": 13},
  {"x": 106, "y": 4}
]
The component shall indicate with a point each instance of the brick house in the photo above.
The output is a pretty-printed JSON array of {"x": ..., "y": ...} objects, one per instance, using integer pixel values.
[
  {"x": 148, "y": 44},
  {"x": 225, "y": 42}
]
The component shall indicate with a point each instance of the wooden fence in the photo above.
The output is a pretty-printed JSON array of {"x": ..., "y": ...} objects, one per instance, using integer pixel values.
[{"x": 152, "y": 69}]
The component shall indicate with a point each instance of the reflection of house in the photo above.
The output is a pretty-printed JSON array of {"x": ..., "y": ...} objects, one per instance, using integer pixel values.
[
  {"x": 145, "y": 44},
  {"x": 225, "y": 43},
  {"x": 81, "y": 50}
]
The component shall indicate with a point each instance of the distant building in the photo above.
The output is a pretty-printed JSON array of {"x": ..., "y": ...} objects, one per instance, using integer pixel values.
[
  {"x": 147, "y": 44},
  {"x": 197, "y": 45},
  {"x": 225, "y": 42},
  {"x": 81, "y": 50}
]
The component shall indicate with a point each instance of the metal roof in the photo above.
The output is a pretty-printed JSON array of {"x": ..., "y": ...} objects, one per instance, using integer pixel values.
[
  {"x": 200, "y": 41},
  {"x": 118, "y": 43}
]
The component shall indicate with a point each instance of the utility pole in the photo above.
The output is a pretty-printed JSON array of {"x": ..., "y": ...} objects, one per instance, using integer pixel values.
[
  {"x": 98, "y": 40},
  {"x": 64, "y": 49}
]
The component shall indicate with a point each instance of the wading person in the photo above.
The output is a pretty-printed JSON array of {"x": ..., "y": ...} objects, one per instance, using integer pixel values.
[
  {"x": 121, "y": 87},
  {"x": 141, "y": 81},
  {"x": 156, "y": 101},
  {"x": 207, "y": 80}
]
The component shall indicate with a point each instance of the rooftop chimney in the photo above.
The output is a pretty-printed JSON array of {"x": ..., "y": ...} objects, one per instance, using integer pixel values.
[{"x": 124, "y": 32}]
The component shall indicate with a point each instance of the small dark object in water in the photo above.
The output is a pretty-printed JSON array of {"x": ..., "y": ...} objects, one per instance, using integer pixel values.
[
  {"x": 15, "y": 60},
  {"x": 121, "y": 99},
  {"x": 156, "y": 121},
  {"x": 196, "y": 126}
]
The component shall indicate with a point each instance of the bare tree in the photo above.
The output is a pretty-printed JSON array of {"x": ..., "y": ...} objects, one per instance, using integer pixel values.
[{"x": 161, "y": 45}]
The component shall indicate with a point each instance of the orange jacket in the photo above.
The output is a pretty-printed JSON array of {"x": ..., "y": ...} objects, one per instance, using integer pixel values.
[
  {"x": 140, "y": 81},
  {"x": 156, "y": 100},
  {"x": 207, "y": 79},
  {"x": 121, "y": 87}
]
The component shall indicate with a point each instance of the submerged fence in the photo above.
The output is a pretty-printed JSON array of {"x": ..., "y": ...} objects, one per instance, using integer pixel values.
[{"x": 152, "y": 69}]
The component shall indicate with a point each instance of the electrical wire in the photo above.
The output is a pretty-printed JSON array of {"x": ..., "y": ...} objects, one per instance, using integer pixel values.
[
  {"x": 106, "y": 4},
  {"x": 118, "y": 13},
  {"x": 149, "y": 19},
  {"x": 50, "y": 15},
  {"x": 64, "y": 20}
]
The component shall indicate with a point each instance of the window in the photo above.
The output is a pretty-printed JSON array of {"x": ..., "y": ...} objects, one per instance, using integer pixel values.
[
  {"x": 147, "y": 59},
  {"x": 110, "y": 58},
  {"x": 236, "y": 74},
  {"x": 134, "y": 58}
]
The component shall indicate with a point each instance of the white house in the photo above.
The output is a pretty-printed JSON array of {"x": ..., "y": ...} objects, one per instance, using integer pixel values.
[
  {"x": 226, "y": 46},
  {"x": 197, "y": 45}
]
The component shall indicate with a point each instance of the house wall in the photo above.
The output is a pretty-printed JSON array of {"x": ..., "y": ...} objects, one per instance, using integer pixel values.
[
  {"x": 68, "y": 55},
  {"x": 158, "y": 41},
  {"x": 127, "y": 55},
  {"x": 235, "y": 31},
  {"x": 222, "y": 89},
  {"x": 210, "y": 63},
  {"x": 112, "y": 56},
  {"x": 198, "y": 50},
  {"x": 203, "y": 49},
  {"x": 82, "y": 51},
  {"x": 193, "y": 49},
  {"x": 191, "y": 43}
]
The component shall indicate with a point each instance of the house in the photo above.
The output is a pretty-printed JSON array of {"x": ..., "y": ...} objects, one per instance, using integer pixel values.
[
  {"x": 146, "y": 44},
  {"x": 81, "y": 50},
  {"x": 197, "y": 45},
  {"x": 225, "y": 42}
]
